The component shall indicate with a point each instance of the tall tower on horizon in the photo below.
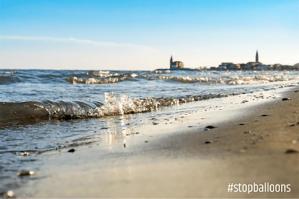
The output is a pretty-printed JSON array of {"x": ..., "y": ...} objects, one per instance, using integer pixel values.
[
  {"x": 257, "y": 57},
  {"x": 171, "y": 60}
]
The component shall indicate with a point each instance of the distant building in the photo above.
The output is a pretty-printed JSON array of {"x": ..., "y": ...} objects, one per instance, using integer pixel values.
[
  {"x": 176, "y": 64},
  {"x": 255, "y": 65},
  {"x": 229, "y": 66}
]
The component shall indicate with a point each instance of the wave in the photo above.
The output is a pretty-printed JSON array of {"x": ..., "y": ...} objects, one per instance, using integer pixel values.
[
  {"x": 101, "y": 78},
  {"x": 229, "y": 80},
  {"x": 110, "y": 77},
  {"x": 8, "y": 78},
  {"x": 107, "y": 77},
  {"x": 22, "y": 112}
]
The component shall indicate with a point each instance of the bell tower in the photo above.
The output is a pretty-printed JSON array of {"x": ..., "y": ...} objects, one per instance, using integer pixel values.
[{"x": 257, "y": 57}]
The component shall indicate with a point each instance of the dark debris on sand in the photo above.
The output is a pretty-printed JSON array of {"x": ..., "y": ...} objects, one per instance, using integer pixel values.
[
  {"x": 209, "y": 127},
  {"x": 291, "y": 151},
  {"x": 71, "y": 150},
  {"x": 24, "y": 173},
  {"x": 285, "y": 99}
]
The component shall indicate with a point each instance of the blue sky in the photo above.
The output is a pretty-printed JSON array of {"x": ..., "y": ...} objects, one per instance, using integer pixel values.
[{"x": 140, "y": 34}]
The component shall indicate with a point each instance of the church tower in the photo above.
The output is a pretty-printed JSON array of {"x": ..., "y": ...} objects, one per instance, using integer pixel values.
[
  {"x": 171, "y": 61},
  {"x": 257, "y": 57}
]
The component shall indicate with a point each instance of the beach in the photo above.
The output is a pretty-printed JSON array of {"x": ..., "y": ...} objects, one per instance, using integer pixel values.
[
  {"x": 149, "y": 99},
  {"x": 257, "y": 145}
]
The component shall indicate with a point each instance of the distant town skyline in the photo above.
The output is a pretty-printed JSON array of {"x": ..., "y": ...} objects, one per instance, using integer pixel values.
[{"x": 137, "y": 34}]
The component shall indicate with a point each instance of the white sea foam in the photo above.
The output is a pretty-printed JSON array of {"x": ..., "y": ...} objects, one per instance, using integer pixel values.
[{"x": 230, "y": 80}]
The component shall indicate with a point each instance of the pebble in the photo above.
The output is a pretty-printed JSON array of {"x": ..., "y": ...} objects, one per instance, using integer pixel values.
[
  {"x": 291, "y": 151},
  {"x": 155, "y": 123},
  {"x": 285, "y": 99},
  {"x": 294, "y": 141},
  {"x": 210, "y": 127},
  {"x": 24, "y": 153},
  {"x": 9, "y": 194},
  {"x": 23, "y": 173},
  {"x": 71, "y": 150},
  {"x": 241, "y": 124},
  {"x": 264, "y": 115},
  {"x": 207, "y": 142},
  {"x": 146, "y": 141}
]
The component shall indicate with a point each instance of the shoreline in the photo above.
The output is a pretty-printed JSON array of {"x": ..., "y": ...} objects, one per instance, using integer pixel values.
[{"x": 194, "y": 163}]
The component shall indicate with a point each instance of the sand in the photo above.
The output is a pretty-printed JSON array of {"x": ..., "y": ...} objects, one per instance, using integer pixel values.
[{"x": 193, "y": 163}]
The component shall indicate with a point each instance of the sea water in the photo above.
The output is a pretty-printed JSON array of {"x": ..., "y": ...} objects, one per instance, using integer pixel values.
[{"x": 47, "y": 110}]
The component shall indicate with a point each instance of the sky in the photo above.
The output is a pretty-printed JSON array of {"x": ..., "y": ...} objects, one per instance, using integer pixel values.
[{"x": 143, "y": 34}]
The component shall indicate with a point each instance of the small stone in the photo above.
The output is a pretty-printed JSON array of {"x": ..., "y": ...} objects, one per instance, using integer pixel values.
[
  {"x": 244, "y": 101},
  {"x": 294, "y": 141},
  {"x": 241, "y": 124},
  {"x": 155, "y": 123},
  {"x": 264, "y": 115},
  {"x": 23, "y": 173},
  {"x": 246, "y": 132},
  {"x": 71, "y": 150},
  {"x": 208, "y": 142},
  {"x": 146, "y": 141},
  {"x": 291, "y": 151},
  {"x": 292, "y": 125},
  {"x": 24, "y": 153},
  {"x": 9, "y": 194},
  {"x": 125, "y": 145},
  {"x": 209, "y": 127},
  {"x": 285, "y": 99},
  {"x": 137, "y": 133}
]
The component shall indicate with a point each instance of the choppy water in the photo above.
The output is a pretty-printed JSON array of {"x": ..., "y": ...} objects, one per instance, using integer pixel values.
[{"x": 37, "y": 107}]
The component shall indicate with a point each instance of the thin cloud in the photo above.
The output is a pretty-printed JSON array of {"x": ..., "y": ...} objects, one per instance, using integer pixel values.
[{"x": 73, "y": 41}]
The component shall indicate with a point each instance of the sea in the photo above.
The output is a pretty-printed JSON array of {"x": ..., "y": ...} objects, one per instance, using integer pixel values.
[{"x": 49, "y": 110}]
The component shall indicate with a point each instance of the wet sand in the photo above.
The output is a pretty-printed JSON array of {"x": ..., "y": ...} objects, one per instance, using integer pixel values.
[{"x": 259, "y": 146}]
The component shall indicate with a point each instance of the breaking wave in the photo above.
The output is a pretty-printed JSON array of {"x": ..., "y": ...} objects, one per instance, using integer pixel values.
[
  {"x": 107, "y": 77},
  {"x": 101, "y": 78},
  {"x": 13, "y": 112},
  {"x": 229, "y": 80}
]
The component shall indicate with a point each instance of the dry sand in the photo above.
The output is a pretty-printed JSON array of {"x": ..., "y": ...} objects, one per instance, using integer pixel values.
[{"x": 195, "y": 163}]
